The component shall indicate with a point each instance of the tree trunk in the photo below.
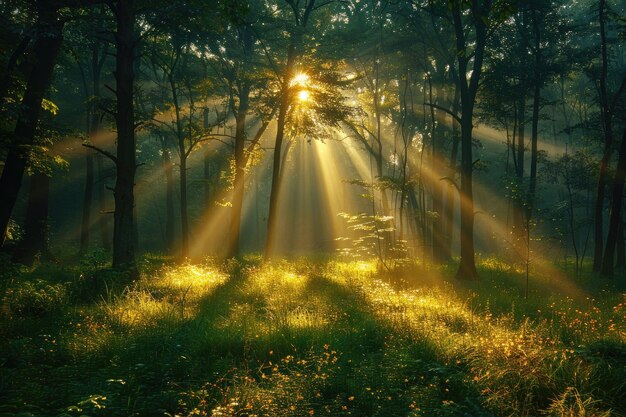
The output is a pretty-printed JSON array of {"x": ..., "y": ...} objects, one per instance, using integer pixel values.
[
  {"x": 36, "y": 225},
  {"x": 532, "y": 186},
  {"x": 93, "y": 127},
  {"x": 467, "y": 266},
  {"x": 123, "y": 226},
  {"x": 240, "y": 171},
  {"x": 208, "y": 172},
  {"x": 240, "y": 143},
  {"x": 451, "y": 191},
  {"x": 87, "y": 201},
  {"x": 518, "y": 203},
  {"x": 615, "y": 218},
  {"x": 598, "y": 218},
  {"x": 469, "y": 88},
  {"x": 166, "y": 161},
  {"x": 46, "y": 49},
  {"x": 301, "y": 18},
  {"x": 437, "y": 191},
  {"x": 620, "y": 248},
  {"x": 182, "y": 152},
  {"x": 607, "y": 129},
  {"x": 103, "y": 216},
  {"x": 278, "y": 143},
  {"x": 184, "y": 217}
]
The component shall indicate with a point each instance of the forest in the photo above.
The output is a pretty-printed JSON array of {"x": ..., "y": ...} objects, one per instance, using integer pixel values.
[{"x": 312, "y": 207}]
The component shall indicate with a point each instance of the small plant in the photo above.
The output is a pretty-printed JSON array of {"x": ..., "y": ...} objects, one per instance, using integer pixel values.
[
  {"x": 572, "y": 403},
  {"x": 36, "y": 298}
]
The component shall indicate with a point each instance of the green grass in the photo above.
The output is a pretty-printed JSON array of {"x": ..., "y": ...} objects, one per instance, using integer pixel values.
[{"x": 304, "y": 337}]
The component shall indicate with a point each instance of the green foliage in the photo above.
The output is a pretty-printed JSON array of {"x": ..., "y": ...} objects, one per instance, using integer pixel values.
[
  {"x": 36, "y": 298},
  {"x": 299, "y": 338}
]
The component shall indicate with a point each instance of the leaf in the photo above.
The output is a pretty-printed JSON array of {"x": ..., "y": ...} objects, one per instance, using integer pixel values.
[{"x": 49, "y": 106}]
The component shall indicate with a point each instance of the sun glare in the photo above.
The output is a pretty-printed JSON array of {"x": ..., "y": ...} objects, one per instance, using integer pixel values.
[
  {"x": 300, "y": 79},
  {"x": 303, "y": 95}
]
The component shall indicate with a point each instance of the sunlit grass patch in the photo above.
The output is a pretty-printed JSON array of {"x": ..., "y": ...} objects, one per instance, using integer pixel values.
[
  {"x": 332, "y": 338},
  {"x": 193, "y": 282}
]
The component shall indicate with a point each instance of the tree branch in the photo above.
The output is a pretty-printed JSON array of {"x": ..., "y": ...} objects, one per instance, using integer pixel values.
[
  {"x": 443, "y": 109},
  {"x": 451, "y": 182},
  {"x": 102, "y": 151}
]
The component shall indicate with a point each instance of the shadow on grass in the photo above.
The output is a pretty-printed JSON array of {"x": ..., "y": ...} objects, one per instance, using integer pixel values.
[{"x": 145, "y": 371}]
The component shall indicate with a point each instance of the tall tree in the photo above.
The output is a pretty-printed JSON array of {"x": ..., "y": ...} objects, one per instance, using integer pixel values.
[
  {"x": 174, "y": 65},
  {"x": 46, "y": 47},
  {"x": 608, "y": 102},
  {"x": 125, "y": 158},
  {"x": 300, "y": 15},
  {"x": 468, "y": 51},
  {"x": 91, "y": 72}
]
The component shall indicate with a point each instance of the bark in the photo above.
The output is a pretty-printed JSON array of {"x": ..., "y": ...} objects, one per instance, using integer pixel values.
[
  {"x": 103, "y": 216},
  {"x": 438, "y": 255},
  {"x": 469, "y": 88},
  {"x": 467, "y": 266},
  {"x": 184, "y": 217},
  {"x": 123, "y": 226},
  {"x": 378, "y": 156},
  {"x": 243, "y": 94},
  {"x": 36, "y": 224},
  {"x": 606, "y": 118},
  {"x": 518, "y": 203},
  {"x": 168, "y": 167},
  {"x": 620, "y": 248},
  {"x": 615, "y": 218},
  {"x": 87, "y": 201},
  {"x": 598, "y": 218},
  {"x": 208, "y": 172},
  {"x": 208, "y": 178},
  {"x": 98, "y": 56},
  {"x": 46, "y": 49},
  {"x": 278, "y": 143},
  {"x": 183, "y": 154},
  {"x": 451, "y": 190},
  {"x": 537, "y": 81},
  {"x": 240, "y": 171}
]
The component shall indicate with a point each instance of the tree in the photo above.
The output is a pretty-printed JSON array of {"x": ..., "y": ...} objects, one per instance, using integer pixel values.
[
  {"x": 478, "y": 17},
  {"x": 125, "y": 158},
  {"x": 608, "y": 104},
  {"x": 300, "y": 15},
  {"x": 90, "y": 64},
  {"x": 49, "y": 36},
  {"x": 175, "y": 71},
  {"x": 236, "y": 59}
]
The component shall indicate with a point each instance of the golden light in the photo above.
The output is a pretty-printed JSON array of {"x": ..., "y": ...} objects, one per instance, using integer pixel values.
[
  {"x": 303, "y": 95},
  {"x": 299, "y": 79}
]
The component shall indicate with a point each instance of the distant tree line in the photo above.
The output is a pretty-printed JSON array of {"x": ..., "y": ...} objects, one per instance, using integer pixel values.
[{"x": 409, "y": 82}]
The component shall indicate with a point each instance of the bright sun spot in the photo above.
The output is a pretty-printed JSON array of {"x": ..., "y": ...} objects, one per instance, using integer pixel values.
[
  {"x": 303, "y": 95},
  {"x": 300, "y": 79}
]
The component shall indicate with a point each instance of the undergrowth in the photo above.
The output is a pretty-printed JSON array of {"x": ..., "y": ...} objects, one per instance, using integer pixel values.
[{"x": 300, "y": 338}]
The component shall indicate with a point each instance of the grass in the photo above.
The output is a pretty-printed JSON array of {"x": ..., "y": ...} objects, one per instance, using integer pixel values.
[{"x": 302, "y": 337}]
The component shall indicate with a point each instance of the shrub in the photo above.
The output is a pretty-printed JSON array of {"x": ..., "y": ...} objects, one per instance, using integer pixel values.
[{"x": 36, "y": 298}]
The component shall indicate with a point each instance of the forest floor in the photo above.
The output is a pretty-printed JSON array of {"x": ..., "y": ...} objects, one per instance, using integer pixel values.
[{"x": 308, "y": 337}]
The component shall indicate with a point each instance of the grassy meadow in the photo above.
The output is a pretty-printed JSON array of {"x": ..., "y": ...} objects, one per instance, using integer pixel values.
[{"x": 306, "y": 337}]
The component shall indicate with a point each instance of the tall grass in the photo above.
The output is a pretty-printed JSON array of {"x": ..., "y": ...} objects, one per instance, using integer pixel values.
[{"x": 300, "y": 338}]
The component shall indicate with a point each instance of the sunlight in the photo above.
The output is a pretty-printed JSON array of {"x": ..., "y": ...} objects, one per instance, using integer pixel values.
[
  {"x": 301, "y": 79},
  {"x": 303, "y": 96}
]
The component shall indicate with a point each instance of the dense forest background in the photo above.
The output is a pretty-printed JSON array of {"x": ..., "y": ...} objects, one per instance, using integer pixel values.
[{"x": 397, "y": 129}]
